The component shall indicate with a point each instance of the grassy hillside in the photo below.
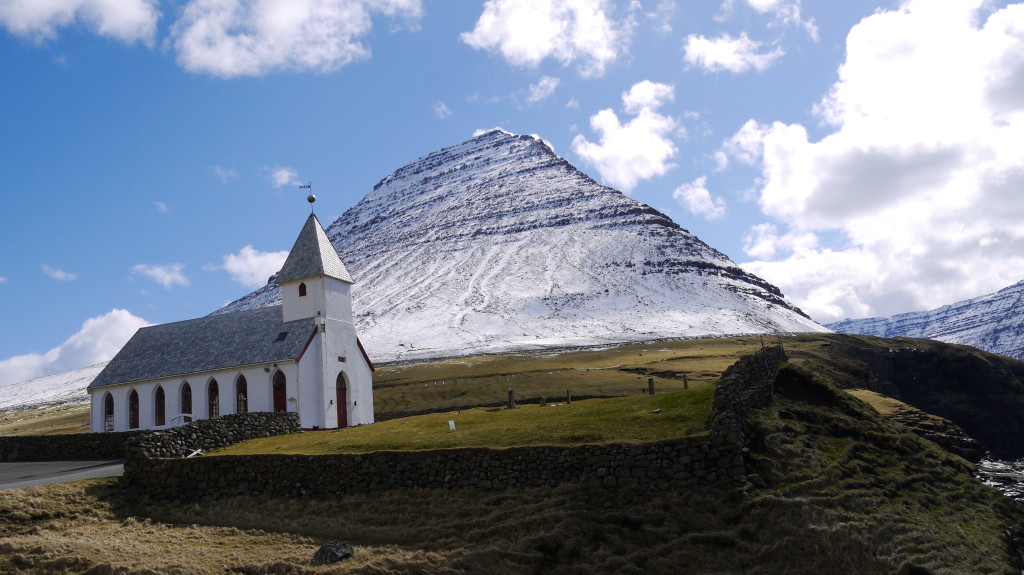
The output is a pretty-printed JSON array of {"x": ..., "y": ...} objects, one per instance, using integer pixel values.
[
  {"x": 839, "y": 489},
  {"x": 49, "y": 421}
]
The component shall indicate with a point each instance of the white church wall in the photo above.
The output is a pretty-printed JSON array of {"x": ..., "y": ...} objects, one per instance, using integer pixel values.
[
  {"x": 309, "y": 386},
  {"x": 343, "y": 355},
  {"x": 258, "y": 382},
  {"x": 294, "y": 306},
  {"x": 337, "y": 297}
]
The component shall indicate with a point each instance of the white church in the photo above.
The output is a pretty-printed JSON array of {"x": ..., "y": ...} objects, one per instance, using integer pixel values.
[{"x": 301, "y": 356}]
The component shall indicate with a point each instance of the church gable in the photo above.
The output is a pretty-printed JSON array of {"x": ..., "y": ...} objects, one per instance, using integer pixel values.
[{"x": 207, "y": 344}]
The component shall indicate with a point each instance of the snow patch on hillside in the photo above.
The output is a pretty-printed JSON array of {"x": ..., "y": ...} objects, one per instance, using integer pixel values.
[{"x": 50, "y": 391}]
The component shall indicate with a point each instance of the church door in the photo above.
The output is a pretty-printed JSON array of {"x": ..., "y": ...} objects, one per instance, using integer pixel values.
[
  {"x": 280, "y": 393},
  {"x": 342, "y": 400}
]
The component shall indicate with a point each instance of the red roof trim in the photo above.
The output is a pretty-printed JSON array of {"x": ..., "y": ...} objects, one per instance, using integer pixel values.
[
  {"x": 366, "y": 357},
  {"x": 305, "y": 347}
]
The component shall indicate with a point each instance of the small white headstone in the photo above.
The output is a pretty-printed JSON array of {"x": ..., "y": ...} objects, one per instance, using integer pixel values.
[{"x": 451, "y": 425}]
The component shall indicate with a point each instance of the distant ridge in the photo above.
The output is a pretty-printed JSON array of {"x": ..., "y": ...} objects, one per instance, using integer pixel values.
[
  {"x": 992, "y": 322},
  {"x": 497, "y": 244}
]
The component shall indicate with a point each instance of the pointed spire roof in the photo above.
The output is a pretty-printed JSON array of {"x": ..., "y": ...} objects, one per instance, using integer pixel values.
[{"x": 312, "y": 255}]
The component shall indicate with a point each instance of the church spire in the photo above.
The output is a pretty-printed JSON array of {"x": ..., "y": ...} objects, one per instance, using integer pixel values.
[{"x": 313, "y": 255}]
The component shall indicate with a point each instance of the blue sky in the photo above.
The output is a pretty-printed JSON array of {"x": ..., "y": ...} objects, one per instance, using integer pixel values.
[{"x": 863, "y": 156}]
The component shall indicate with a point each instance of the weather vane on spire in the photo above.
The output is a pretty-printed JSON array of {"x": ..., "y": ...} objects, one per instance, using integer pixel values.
[{"x": 310, "y": 198}]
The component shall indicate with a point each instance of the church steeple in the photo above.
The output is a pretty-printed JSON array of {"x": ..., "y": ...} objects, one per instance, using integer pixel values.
[
  {"x": 313, "y": 280},
  {"x": 313, "y": 255}
]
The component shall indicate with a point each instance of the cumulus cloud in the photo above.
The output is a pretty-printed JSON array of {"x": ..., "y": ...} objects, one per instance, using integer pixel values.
[
  {"x": 126, "y": 20},
  {"x": 161, "y": 207},
  {"x": 230, "y": 38},
  {"x": 283, "y": 176},
  {"x": 441, "y": 110},
  {"x": 543, "y": 89},
  {"x": 251, "y": 267},
  {"x": 168, "y": 275},
  {"x": 745, "y": 146},
  {"x": 917, "y": 186},
  {"x": 99, "y": 340},
  {"x": 58, "y": 274},
  {"x": 637, "y": 150},
  {"x": 696, "y": 198},
  {"x": 526, "y": 32},
  {"x": 725, "y": 53}
]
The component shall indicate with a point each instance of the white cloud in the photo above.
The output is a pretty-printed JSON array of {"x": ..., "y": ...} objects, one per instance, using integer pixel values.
[
  {"x": 126, "y": 20},
  {"x": 168, "y": 275},
  {"x": 785, "y": 13},
  {"x": 746, "y": 146},
  {"x": 161, "y": 207},
  {"x": 725, "y": 53},
  {"x": 572, "y": 104},
  {"x": 526, "y": 32},
  {"x": 3, "y": 280},
  {"x": 99, "y": 340},
  {"x": 441, "y": 110},
  {"x": 696, "y": 198},
  {"x": 637, "y": 150},
  {"x": 283, "y": 176},
  {"x": 231, "y": 38},
  {"x": 251, "y": 267},
  {"x": 918, "y": 185},
  {"x": 542, "y": 89},
  {"x": 225, "y": 175},
  {"x": 661, "y": 16},
  {"x": 59, "y": 275}
]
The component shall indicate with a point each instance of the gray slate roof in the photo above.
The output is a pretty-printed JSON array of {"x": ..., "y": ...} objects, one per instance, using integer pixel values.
[
  {"x": 313, "y": 255},
  {"x": 205, "y": 344}
]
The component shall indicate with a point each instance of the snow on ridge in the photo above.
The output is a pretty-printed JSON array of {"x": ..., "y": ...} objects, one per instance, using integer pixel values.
[
  {"x": 50, "y": 391},
  {"x": 497, "y": 244},
  {"x": 990, "y": 322}
]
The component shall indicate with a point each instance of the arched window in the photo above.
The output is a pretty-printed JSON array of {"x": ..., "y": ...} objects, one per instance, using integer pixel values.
[
  {"x": 133, "y": 410},
  {"x": 241, "y": 395},
  {"x": 213, "y": 398},
  {"x": 186, "y": 402},
  {"x": 302, "y": 290},
  {"x": 108, "y": 413},
  {"x": 280, "y": 392},
  {"x": 159, "y": 411}
]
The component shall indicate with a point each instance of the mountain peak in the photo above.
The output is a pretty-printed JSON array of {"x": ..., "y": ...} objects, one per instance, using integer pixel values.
[{"x": 498, "y": 244}]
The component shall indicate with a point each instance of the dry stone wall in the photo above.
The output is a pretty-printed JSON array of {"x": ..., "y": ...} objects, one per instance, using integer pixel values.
[
  {"x": 181, "y": 441},
  {"x": 68, "y": 446},
  {"x": 714, "y": 458}
]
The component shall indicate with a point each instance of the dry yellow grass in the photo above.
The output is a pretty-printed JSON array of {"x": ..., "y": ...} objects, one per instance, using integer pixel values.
[
  {"x": 614, "y": 371},
  {"x": 46, "y": 421}
]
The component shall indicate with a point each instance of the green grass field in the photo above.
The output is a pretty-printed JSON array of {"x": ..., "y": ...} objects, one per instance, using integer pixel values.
[{"x": 622, "y": 419}]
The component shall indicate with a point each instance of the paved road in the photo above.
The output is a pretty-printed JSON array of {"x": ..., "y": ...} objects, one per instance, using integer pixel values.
[{"x": 18, "y": 474}]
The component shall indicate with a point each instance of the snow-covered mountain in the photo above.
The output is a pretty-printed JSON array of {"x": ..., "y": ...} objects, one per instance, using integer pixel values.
[
  {"x": 50, "y": 391},
  {"x": 497, "y": 244},
  {"x": 993, "y": 322}
]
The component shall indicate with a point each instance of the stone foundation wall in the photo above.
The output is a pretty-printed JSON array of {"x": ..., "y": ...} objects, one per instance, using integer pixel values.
[
  {"x": 207, "y": 434},
  {"x": 658, "y": 465},
  {"x": 69, "y": 446},
  {"x": 180, "y": 441}
]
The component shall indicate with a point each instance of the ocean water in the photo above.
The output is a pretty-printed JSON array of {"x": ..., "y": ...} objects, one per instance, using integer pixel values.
[{"x": 1006, "y": 476}]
